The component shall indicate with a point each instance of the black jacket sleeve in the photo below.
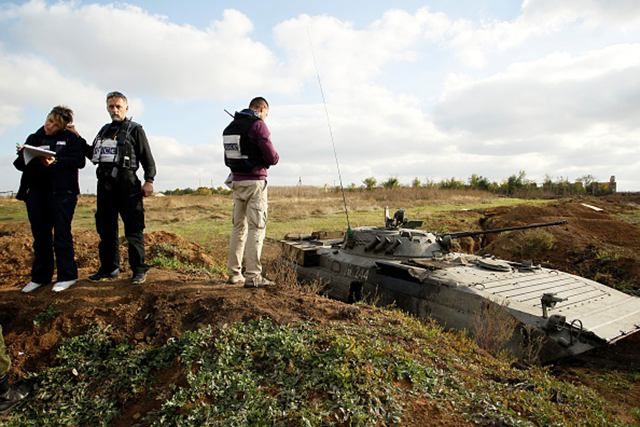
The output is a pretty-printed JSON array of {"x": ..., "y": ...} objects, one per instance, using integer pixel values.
[
  {"x": 19, "y": 161},
  {"x": 144, "y": 154},
  {"x": 73, "y": 157}
]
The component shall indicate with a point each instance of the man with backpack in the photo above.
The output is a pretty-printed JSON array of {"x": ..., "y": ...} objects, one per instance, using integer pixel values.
[{"x": 248, "y": 152}]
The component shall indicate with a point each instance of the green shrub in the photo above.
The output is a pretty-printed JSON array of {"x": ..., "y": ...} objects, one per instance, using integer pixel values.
[{"x": 535, "y": 243}]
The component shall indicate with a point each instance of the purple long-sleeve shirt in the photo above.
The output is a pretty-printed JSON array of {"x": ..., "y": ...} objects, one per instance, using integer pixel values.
[{"x": 260, "y": 135}]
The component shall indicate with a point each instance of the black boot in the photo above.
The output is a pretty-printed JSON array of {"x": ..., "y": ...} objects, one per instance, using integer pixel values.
[{"x": 10, "y": 396}]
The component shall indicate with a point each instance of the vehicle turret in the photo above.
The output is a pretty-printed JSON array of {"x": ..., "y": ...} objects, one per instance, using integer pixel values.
[{"x": 399, "y": 239}]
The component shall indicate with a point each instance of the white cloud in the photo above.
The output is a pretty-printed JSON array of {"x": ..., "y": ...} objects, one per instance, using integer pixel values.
[
  {"x": 346, "y": 55},
  {"x": 126, "y": 47},
  {"x": 555, "y": 95},
  {"x": 10, "y": 116},
  {"x": 477, "y": 43},
  {"x": 622, "y": 14},
  {"x": 553, "y": 91},
  {"x": 29, "y": 80},
  {"x": 182, "y": 165}
]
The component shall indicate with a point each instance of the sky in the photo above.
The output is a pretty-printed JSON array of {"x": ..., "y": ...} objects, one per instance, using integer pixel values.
[{"x": 412, "y": 89}]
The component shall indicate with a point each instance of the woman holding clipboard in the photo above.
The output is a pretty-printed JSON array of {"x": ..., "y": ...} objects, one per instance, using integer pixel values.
[{"x": 49, "y": 187}]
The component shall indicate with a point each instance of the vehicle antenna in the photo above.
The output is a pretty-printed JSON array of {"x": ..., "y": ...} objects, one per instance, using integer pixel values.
[
  {"x": 225, "y": 110},
  {"x": 335, "y": 154}
]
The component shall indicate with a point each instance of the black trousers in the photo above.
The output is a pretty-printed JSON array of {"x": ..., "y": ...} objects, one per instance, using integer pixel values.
[
  {"x": 121, "y": 196},
  {"x": 50, "y": 214}
]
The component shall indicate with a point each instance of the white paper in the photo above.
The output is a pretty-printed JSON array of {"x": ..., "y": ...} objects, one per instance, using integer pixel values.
[{"x": 30, "y": 152}]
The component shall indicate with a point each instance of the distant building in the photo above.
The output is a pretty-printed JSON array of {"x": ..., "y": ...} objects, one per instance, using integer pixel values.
[{"x": 598, "y": 188}]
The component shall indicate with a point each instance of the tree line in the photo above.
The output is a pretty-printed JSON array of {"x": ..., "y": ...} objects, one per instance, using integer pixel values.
[
  {"x": 516, "y": 184},
  {"x": 200, "y": 191}
]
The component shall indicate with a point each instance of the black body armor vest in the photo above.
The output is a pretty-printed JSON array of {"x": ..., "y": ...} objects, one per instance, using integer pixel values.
[
  {"x": 240, "y": 154},
  {"x": 125, "y": 157}
]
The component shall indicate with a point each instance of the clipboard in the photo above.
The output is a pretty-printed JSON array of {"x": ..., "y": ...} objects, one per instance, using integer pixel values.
[{"x": 30, "y": 152}]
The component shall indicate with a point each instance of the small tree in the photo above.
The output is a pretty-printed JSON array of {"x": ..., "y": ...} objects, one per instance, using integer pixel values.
[
  {"x": 369, "y": 183},
  {"x": 515, "y": 183},
  {"x": 416, "y": 183},
  {"x": 391, "y": 183},
  {"x": 451, "y": 184},
  {"x": 479, "y": 182},
  {"x": 203, "y": 191},
  {"x": 429, "y": 183}
]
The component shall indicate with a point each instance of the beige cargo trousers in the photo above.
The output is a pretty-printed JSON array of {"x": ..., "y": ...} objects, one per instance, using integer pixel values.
[
  {"x": 5, "y": 362},
  {"x": 250, "y": 207}
]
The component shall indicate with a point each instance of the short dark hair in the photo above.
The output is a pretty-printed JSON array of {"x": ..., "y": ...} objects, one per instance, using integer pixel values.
[
  {"x": 116, "y": 94},
  {"x": 62, "y": 114},
  {"x": 257, "y": 102}
]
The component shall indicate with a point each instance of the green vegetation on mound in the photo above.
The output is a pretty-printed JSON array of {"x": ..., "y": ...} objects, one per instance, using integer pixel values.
[{"x": 367, "y": 372}]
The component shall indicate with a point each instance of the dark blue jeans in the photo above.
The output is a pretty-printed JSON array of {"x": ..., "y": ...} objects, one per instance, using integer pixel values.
[{"x": 50, "y": 214}]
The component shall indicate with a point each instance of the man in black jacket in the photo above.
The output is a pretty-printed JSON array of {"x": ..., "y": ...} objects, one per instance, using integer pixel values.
[{"x": 119, "y": 149}]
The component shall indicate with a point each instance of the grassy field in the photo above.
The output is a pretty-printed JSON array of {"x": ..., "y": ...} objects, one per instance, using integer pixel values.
[
  {"x": 367, "y": 366},
  {"x": 207, "y": 219}
]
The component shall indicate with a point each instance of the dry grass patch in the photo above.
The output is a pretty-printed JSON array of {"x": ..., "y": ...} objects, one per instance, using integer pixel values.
[
  {"x": 493, "y": 328},
  {"x": 281, "y": 269}
]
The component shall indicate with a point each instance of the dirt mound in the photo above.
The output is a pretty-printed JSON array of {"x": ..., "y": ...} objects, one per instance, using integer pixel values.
[
  {"x": 161, "y": 243},
  {"x": 16, "y": 253},
  {"x": 167, "y": 305},
  {"x": 597, "y": 245}
]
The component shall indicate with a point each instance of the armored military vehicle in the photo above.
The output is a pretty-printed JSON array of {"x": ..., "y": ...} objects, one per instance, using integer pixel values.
[{"x": 418, "y": 272}]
